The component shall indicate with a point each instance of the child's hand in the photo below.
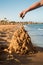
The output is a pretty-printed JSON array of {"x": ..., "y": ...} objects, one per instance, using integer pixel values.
[{"x": 22, "y": 14}]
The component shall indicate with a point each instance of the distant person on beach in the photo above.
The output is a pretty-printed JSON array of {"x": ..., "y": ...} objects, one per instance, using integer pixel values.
[{"x": 32, "y": 7}]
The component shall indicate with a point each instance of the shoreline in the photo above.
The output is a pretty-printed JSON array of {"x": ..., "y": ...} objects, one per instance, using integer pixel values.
[{"x": 6, "y": 33}]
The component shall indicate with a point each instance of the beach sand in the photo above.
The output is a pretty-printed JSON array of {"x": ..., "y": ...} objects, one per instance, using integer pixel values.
[{"x": 6, "y": 33}]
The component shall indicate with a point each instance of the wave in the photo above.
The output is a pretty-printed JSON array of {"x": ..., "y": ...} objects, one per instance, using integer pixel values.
[
  {"x": 35, "y": 35},
  {"x": 40, "y": 28}
]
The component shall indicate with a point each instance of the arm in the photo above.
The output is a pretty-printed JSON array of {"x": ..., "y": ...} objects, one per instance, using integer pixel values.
[{"x": 32, "y": 7}]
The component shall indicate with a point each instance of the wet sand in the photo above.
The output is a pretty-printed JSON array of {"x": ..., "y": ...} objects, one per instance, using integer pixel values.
[{"x": 6, "y": 33}]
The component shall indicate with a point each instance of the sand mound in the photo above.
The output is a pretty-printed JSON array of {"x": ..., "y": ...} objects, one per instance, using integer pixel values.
[{"x": 21, "y": 42}]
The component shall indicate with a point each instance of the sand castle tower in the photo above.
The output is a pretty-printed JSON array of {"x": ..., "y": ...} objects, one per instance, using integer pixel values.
[{"x": 21, "y": 42}]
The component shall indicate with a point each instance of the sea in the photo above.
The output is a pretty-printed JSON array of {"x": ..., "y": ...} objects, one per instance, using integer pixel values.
[{"x": 36, "y": 33}]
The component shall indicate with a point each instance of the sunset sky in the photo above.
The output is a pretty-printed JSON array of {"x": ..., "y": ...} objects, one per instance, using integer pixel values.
[{"x": 11, "y": 9}]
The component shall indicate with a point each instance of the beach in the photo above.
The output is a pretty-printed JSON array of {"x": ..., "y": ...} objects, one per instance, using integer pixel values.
[{"x": 6, "y": 33}]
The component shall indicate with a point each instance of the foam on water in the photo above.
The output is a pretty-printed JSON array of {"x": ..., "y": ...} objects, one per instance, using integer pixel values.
[{"x": 40, "y": 29}]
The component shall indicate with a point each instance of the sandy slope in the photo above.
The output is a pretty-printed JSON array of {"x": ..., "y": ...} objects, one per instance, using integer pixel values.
[{"x": 6, "y": 33}]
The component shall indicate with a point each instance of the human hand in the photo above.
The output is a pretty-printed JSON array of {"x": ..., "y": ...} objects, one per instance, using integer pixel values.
[{"x": 22, "y": 14}]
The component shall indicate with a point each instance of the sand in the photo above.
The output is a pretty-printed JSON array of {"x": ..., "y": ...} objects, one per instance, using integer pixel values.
[
  {"x": 21, "y": 42},
  {"x": 6, "y": 33}
]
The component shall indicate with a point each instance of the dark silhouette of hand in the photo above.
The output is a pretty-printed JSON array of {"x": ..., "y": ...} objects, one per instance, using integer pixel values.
[{"x": 22, "y": 14}]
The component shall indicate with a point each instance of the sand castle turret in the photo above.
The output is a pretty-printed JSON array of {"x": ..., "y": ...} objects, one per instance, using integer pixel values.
[{"x": 21, "y": 42}]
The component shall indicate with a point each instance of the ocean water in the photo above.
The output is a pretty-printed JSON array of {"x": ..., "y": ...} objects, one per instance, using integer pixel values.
[{"x": 36, "y": 33}]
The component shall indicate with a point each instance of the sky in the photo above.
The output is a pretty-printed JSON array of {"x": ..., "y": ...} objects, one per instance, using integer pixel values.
[{"x": 10, "y": 9}]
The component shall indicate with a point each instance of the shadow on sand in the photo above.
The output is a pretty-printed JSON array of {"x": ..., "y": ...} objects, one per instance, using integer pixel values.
[{"x": 15, "y": 59}]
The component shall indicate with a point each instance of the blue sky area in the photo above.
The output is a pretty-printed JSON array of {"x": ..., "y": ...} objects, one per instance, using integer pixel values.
[{"x": 11, "y": 9}]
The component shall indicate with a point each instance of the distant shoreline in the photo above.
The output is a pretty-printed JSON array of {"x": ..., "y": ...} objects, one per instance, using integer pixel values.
[{"x": 7, "y": 22}]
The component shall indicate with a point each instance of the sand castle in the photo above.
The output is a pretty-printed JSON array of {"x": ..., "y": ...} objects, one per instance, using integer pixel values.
[
  {"x": 14, "y": 40},
  {"x": 21, "y": 42}
]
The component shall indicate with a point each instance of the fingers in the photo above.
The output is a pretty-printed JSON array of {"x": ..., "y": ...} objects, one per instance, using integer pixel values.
[{"x": 22, "y": 14}]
